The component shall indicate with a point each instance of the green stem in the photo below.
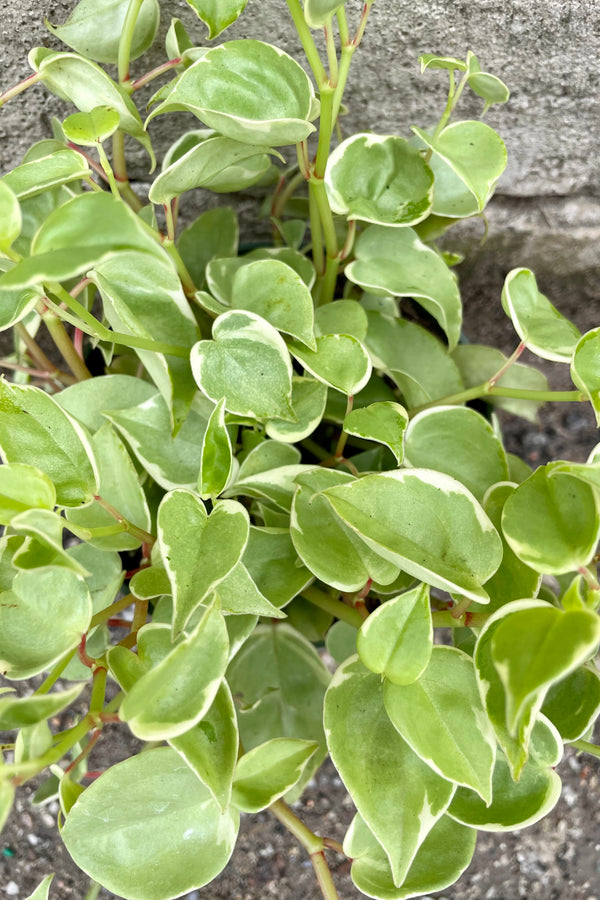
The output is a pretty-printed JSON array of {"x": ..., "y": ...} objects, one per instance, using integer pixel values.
[
  {"x": 94, "y": 891},
  {"x": 64, "y": 344},
  {"x": 343, "y": 26},
  {"x": 445, "y": 619},
  {"x": 336, "y": 608},
  {"x": 186, "y": 279},
  {"x": 316, "y": 234},
  {"x": 35, "y": 351},
  {"x": 484, "y": 390},
  {"x": 281, "y": 199},
  {"x": 108, "y": 170},
  {"x": 308, "y": 44},
  {"x": 152, "y": 74},
  {"x": 30, "y": 768},
  {"x": 127, "y": 38},
  {"x": 144, "y": 536},
  {"x": 89, "y": 325},
  {"x": 120, "y": 170},
  {"x": 312, "y": 843},
  {"x": 56, "y": 672},
  {"x": 586, "y": 747},
  {"x": 331, "y": 55},
  {"x": 363, "y": 23},
  {"x": 325, "y": 131},
  {"x": 98, "y": 690},
  {"x": 110, "y": 611}
]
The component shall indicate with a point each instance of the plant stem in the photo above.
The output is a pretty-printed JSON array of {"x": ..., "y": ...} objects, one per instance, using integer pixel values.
[
  {"x": 64, "y": 344},
  {"x": 331, "y": 55},
  {"x": 94, "y": 891},
  {"x": 336, "y": 608},
  {"x": 137, "y": 83},
  {"x": 110, "y": 175},
  {"x": 144, "y": 536},
  {"x": 34, "y": 350},
  {"x": 120, "y": 170},
  {"x": 127, "y": 38},
  {"x": 343, "y": 26},
  {"x": 493, "y": 381},
  {"x": 306, "y": 38},
  {"x": 312, "y": 843},
  {"x": 586, "y": 747},
  {"x": 484, "y": 390},
  {"x": 56, "y": 672},
  {"x": 19, "y": 88},
  {"x": 445, "y": 619},
  {"x": 110, "y": 611}
]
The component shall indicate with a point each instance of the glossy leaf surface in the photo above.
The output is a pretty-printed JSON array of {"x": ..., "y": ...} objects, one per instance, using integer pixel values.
[
  {"x": 94, "y": 28},
  {"x": 266, "y": 772}
]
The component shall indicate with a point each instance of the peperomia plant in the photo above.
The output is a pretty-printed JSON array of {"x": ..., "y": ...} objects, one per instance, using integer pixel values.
[{"x": 239, "y": 456}]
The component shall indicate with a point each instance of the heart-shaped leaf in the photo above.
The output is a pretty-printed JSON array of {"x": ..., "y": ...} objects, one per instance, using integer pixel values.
[
  {"x": 94, "y": 28},
  {"x": 384, "y": 422},
  {"x": 382, "y": 180},
  {"x": 340, "y": 360},
  {"x": 308, "y": 403},
  {"x": 216, "y": 459},
  {"x": 217, "y": 15},
  {"x": 90, "y": 128}
]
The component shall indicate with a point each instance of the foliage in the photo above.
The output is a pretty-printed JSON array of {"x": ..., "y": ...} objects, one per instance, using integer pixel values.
[{"x": 268, "y": 457}]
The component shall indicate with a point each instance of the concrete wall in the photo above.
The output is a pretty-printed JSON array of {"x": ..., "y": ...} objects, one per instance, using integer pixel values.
[{"x": 547, "y": 209}]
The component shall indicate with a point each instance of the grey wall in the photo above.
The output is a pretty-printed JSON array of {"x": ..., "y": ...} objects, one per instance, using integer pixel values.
[{"x": 546, "y": 214}]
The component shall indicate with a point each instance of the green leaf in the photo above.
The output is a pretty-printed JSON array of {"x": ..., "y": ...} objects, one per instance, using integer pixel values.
[
  {"x": 248, "y": 91},
  {"x": 341, "y": 317},
  {"x": 442, "y": 718},
  {"x": 125, "y": 666},
  {"x": 41, "y": 891},
  {"x": 273, "y": 564},
  {"x": 490, "y": 87},
  {"x": 216, "y": 461},
  {"x": 538, "y": 521},
  {"x": 533, "y": 648},
  {"x": 433, "y": 61},
  {"x": 273, "y": 290},
  {"x": 327, "y": 546},
  {"x": 217, "y": 15},
  {"x": 308, "y": 404},
  {"x": 85, "y": 85},
  {"x": 214, "y": 233},
  {"x": 41, "y": 619},
  {"x": 395, "y": 262},
  {"x": 120, "y": 487},
  {"x": 7, "y": 796},
  {"x": 279, "y": 682},
  {"x": 177, "y": 40},
  {"x": 425, "y": 523},
  {"x": 398, "y": 796},
  {"x": 94, "y": 28},
  {"x": 318, "y": 13},
  {"x": 19, "y": 712},
  {"x": 90, "y": 128},
  {"x": 87, "y": 400},
  {"x": 24, "y": 487},
  {"x": 171, "y": 461},
  {"x": 174, "y": 695},
  {"x": 377, "y": 179},
  {"x": 237, "y": 593},
  {"x": 537, "y": 322},
  {"x": 396, "y": 640},
  {"x": 203, "y": 165},
  {"x": 477, "y": 364},
  {"x": 474, "y": 152},
  {"x": 248, "y": 364},
  {"x": 188, "y": 538},
  {"x": 416, "y": 360},
  {"x": 340, "y": 641},
  {"x": 340, "y": 361},
  {"x": 210, "y": 748},
  {"x": 221, "y": 272},
  {"x": 121, "y": 833},
  {"x": 43, "y": 544},
  {"x": 143, "y": 296},
  {"x": 573, "y": 703},
  {"x": 77, "y": 235},
  {"x": 442, "y": 858},
  {"x": 46, "y": 172},
  {"x": 34, "y": 430},
  {"x": 15, "y": 305},
  {"x": 585, "y": 368},
  {"x": 10, "y": 217},
  {"x": 459, "y": 442},
  {"x": 268, "y": 771},
  {"x": 382, "y": 422}
]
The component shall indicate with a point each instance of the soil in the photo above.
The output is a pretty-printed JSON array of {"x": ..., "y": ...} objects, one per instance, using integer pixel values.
[{"x": 556, "y": 859}]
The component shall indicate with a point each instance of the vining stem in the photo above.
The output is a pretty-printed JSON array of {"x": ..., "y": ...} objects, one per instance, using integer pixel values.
[{"x": 312, "y": 843}]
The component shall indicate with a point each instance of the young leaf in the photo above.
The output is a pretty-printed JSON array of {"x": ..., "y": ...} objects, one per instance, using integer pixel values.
[
  {"x": 24, "y": 487},
  {"x": 41, "y": 891},
  {"x": 19, "y": 712},
  {"x": 340, "y": 361},
  {"x": 248, "y": 91},
  {"x": 573, "y": 703},
  {"x": 382, "y": 180},
  {"x": 442, "y": 858},
  {"x": 474, "y": 152},
  {"x": 266, "y": 772},
  {"x": 116, "y": 832},
  {"x": 273, "y": 290},
  {"x": 248, "y": 364},
  {"x": 394, "y": 261},
  {"x": 490, "y": 87},
  {"x": 341, "y": 317},
  {"x": 94, "y": 28},
  {"x": 442, "y": 718},
  {"x": 221, "y": 272},
  {"x": 35, "y": 430},
  {"x": 533, "y": 648},
  {"x": 585, "y": 368},
  {"x": 93, "y": 127},
  {"x": 396, "y": 640},
  {"x": 308, "y": 403},
  {"x": 86, "y": 85},
  {"x": 398, "y": 796},
  {"x": 383, "y": 422},
  {"x": 318, "y": 13},
  {"x": 216, "y": 460},
  {"x": 460, "y": 442},
  {"x": 174, "y": 695},
  {"x": 10, "y": 217},
  {"x": 198, "y": 550},
  {"x": 537, "y": 521},
  {"x": 43, "y": 544},
  {"x": 433, "y": 61},
  {"x": 537, "y": 322},
  {"x": 217, "y": 15},
  {"x": 425, "y": 523},
  {"x": 41, "y": 618},
  {"x": 237, "y": 593}
]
